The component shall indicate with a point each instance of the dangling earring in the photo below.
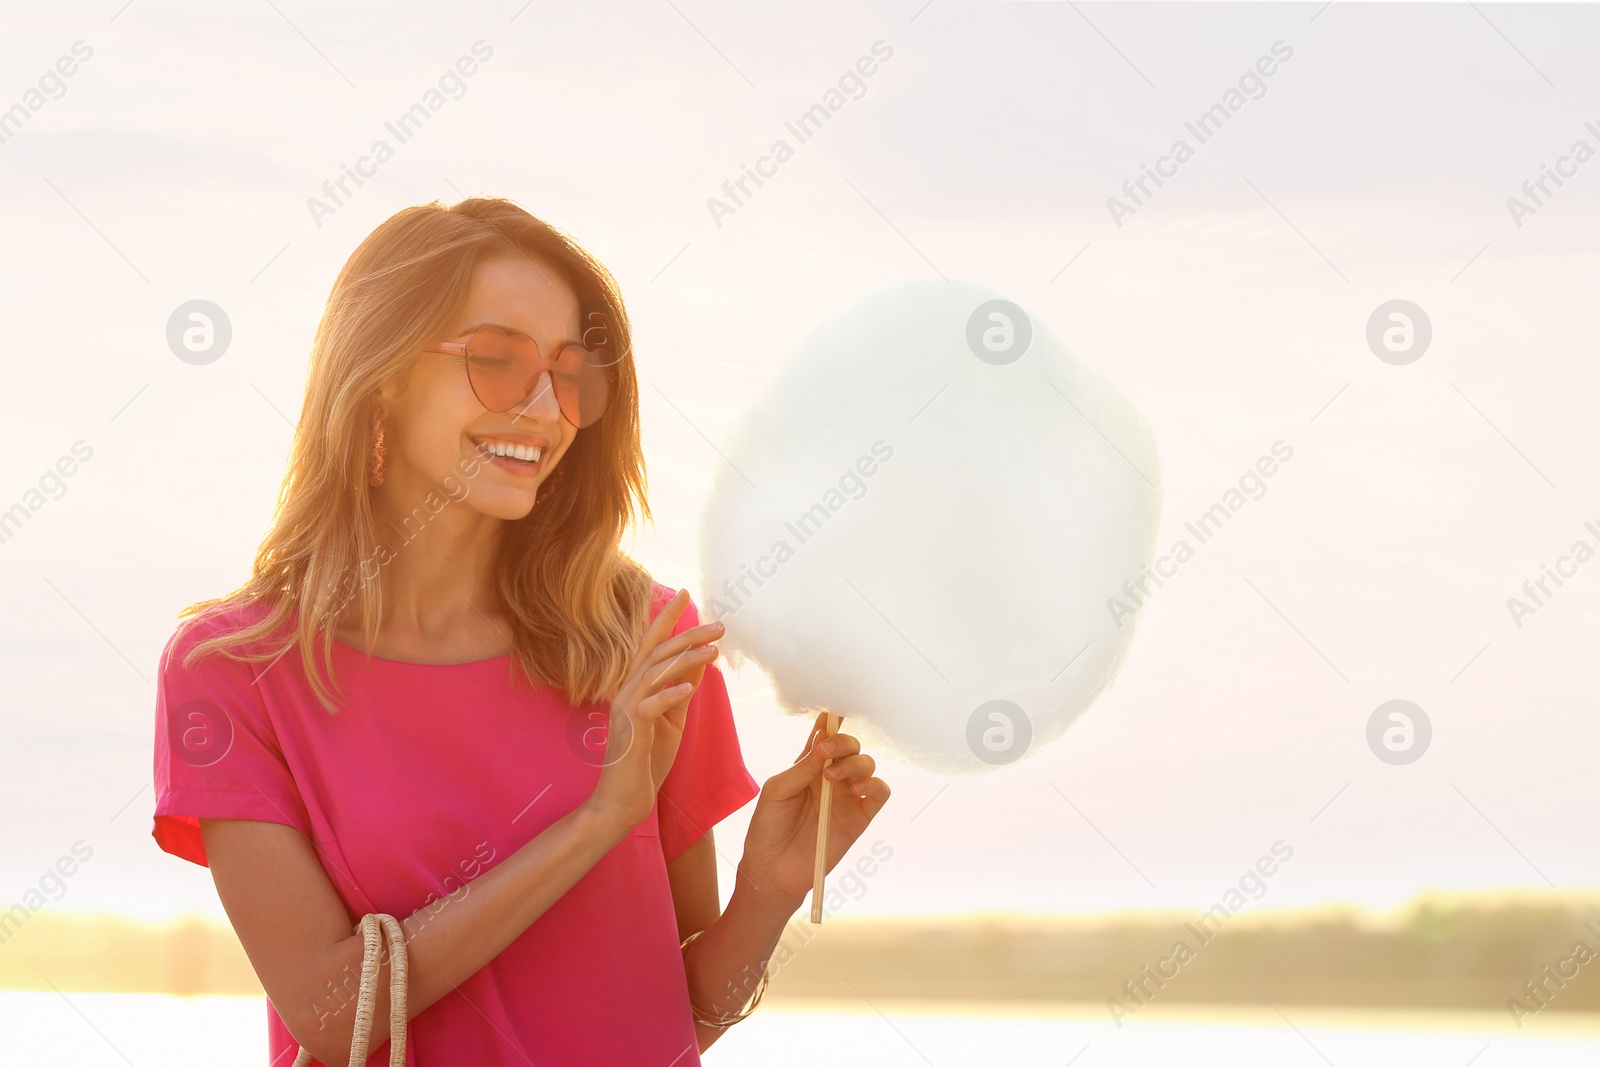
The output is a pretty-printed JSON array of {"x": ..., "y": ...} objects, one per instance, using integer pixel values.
[
  {"x": 548, "y": 488},
  {"x": 379, "y": 449}
]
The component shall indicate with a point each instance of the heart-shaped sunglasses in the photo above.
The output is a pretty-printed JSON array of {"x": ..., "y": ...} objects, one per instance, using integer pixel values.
[{"x": 504, "y": 370}]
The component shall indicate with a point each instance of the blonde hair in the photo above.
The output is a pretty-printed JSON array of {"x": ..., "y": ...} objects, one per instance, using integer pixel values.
[{"x": 576, "y": 602}]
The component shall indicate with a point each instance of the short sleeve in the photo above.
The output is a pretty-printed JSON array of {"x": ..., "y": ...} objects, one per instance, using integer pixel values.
[
  {"x": 708, "y": 780},
  {"x": 216, "y": 751}
]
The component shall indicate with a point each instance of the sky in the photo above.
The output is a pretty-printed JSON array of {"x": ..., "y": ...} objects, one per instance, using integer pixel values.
[{"x": 1230, "y": 306}]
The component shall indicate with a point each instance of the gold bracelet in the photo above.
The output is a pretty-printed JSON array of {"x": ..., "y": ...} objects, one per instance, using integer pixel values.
[{"x": 722, "y": 1022}]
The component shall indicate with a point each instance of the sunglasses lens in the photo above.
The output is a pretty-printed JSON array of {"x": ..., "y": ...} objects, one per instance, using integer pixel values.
[
  {"x": 499, "y": 368},
  {"x": 583, "y": 385},
  {"x": 504, "y": 372}
]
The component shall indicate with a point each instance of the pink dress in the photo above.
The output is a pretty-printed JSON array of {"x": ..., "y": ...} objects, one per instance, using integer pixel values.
[{"x": 427, "y": 777}]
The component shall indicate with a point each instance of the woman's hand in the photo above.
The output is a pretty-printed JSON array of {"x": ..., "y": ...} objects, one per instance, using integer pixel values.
[
  {"x": 780, "y": 849},
  {"x": 646, "y": 720}
]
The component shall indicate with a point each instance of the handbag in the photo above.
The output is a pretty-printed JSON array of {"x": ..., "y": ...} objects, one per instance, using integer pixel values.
[{"x": 376, "y": 928}]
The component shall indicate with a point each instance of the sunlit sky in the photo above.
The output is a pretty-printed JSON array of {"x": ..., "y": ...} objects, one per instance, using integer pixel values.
[{"x": 1231, "y": 308}]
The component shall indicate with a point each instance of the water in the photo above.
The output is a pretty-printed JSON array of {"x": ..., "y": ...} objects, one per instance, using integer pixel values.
[{"x": 119, "y": 1029}]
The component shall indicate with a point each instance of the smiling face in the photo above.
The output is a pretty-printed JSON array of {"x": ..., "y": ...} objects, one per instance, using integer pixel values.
[{"x": 434, "y": 420}]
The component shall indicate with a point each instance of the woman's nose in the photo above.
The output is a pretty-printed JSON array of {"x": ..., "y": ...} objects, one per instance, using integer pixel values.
[{"x": 540, "y": 404}]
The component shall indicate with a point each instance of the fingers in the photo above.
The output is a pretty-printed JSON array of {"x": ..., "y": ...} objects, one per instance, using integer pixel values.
[
  {"x": 674, "y": 645},
  {"x": 663, "y": 623},
  {"x": 674, "y": 666},
  {"x": 850, "y": 768},
  {"x": 820, "y": 748},
  {"x": 818, "y": 729},
  {"x": 840, "y": 745},
  {"x": 655, "y": 634},
  {"x": 695, "y": 635},
  {"x": 797, "y": 778},
  {"x": 874, "y": 790},
  {"x": 656, "y": 659},
  {"x": 662, "y": 703}
]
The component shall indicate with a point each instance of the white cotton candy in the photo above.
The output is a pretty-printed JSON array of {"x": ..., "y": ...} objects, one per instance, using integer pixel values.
[{"x": 923, "y": 531}]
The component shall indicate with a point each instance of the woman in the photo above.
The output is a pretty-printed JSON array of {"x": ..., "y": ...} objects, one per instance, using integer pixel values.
[{"x": 445, "y": 694}]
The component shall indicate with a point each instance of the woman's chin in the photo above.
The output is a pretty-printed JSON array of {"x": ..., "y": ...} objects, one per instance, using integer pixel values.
[{"x": 508, "y": 504}]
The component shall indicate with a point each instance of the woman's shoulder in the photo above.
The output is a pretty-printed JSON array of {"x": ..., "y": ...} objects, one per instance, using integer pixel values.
[{"x": 218, "y": 619}]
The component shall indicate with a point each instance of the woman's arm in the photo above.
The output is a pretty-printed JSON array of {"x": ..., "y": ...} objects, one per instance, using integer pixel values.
[
  {"x": 736, "y": 944},
  {"x": 725, "y": 964},
  {"x": 297, "y": 933}
]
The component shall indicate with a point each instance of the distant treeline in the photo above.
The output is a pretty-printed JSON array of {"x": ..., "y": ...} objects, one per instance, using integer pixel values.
[
  {"x": 1440, "y": 952},
  {"x": 1436, "y": 953}
]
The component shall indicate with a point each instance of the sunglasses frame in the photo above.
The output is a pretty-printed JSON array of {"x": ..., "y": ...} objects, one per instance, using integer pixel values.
[{"x": 463, "y": 348}]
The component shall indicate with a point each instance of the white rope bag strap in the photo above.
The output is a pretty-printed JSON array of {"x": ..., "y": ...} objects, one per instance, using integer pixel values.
[{"x": 375, "y": 929}]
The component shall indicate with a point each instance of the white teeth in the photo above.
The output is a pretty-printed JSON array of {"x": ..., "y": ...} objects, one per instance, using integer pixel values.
[{"x": 526, "y": 453}]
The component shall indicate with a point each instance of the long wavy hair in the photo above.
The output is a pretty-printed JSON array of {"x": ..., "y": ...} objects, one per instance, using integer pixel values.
[{"x": 577, "y": 603}]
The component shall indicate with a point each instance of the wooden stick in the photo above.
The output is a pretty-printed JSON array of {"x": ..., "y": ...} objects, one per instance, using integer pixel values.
[{"x": 824, "y": 817}]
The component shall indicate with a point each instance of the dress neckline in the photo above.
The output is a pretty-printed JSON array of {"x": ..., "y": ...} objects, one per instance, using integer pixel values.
[{"x": 413, "y": 663}]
